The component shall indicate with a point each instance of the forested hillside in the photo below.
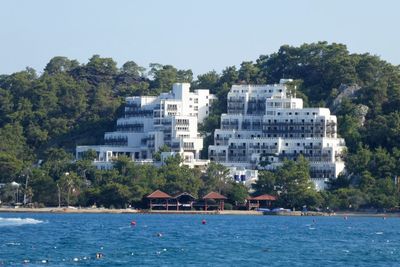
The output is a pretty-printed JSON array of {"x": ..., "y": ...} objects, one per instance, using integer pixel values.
[{"x": 43, "y": 117}]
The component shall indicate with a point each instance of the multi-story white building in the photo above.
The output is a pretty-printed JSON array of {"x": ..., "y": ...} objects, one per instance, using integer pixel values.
[
  {"x": 153, "y": 121},
  {"x": 265, "y": 125}
]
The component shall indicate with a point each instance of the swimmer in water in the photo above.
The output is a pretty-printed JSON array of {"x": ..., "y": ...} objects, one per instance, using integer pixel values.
[
  {"x": 159, "y": 234},
  {"x": 99, "y": 255}
]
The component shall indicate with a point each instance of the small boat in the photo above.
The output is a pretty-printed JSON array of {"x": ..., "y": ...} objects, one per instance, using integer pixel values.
[{"x": 263, "y": 210}]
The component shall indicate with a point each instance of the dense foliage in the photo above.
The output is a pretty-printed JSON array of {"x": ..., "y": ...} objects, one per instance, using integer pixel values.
[{"x": 43, "y": 117}]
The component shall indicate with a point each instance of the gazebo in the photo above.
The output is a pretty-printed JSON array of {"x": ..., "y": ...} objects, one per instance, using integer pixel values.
[
  {"x": 160, "y": 198},
  {"x": 256, "y": 202},
  {"x": 214, "y": 196},
  {"x": 184, "y": 201}
]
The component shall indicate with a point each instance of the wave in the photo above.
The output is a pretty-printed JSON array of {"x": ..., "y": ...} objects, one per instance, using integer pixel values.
[{"x": 18, "y": 221}]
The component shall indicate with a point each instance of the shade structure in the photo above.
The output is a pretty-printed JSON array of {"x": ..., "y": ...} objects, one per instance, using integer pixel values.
[
  {"x": 263, "y": 197},
  {"x": 215, "y": 196},
  {"x": 161, "y": 199},
  {"x": 159, "y": 194},
  {"x": 184, "y": 201},
  {"x": 256, "y": 202}
]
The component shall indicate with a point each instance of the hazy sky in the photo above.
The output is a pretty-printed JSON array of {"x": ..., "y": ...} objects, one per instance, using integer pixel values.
[{"x": 199, "y": 35}]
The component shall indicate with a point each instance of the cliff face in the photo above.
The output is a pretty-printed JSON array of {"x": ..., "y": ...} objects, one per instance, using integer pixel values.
[
  {"x": 350, "y": 92},
  {"x": 346, "y": 91}
]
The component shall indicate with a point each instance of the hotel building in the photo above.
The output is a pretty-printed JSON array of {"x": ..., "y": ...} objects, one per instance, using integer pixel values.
[
  {"x": 265, "y": 125},
  {"x": 150, "y": 122}
]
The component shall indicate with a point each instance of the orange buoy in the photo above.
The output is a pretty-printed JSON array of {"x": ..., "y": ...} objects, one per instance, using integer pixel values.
[
  {"x": 203, "y": 221},
  {"x": 133, "y": 223}
]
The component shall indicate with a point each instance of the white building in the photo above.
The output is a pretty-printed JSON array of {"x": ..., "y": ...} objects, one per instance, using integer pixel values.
[
  {"x": 153, "y": 121},
  {"x": 264, "y": 125}
]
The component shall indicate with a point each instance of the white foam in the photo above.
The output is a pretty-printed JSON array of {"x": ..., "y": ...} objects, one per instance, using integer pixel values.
[
  {"x": 18, "y": 221},
  {"x": 13, "y": 244}
]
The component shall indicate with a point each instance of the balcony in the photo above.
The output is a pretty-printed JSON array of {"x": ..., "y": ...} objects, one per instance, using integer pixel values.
[
  {"x": 116, "y": 141},
  {"x": 130, "y": 127},
  {"x": 132, "y": 105},
  {"x": 139, "y": 113},
  {"x": 175, "y": 145},
  {"x": 234, "y": 146},
  {"x": 314, "y": 146},
  {"x": 221, "y": 139}
]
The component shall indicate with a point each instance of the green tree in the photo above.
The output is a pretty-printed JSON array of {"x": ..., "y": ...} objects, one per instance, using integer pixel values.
[
  {"x": 70, "y": 184},
  {"x": 248, "y": 72},
  {"x": 237, "y": 193},
  {"x": 44, "y": 189},
  {"x": 10, "y": 166},
  {"x": 59, "y": 65},
  {"x": 216, "y": 178},
  {"x": 265, "y": 183},
  {"x": 115, "y": 195}
]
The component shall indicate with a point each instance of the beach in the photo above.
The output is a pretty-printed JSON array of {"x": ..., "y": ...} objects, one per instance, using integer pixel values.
[{"x": 188, "y": 212}]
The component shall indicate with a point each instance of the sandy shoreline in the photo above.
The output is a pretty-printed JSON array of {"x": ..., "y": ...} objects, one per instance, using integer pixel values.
[
  {"x": 67, "y": 210},
  {"x": 122, "y": 211},
  {"x": 225, "y": 212}
]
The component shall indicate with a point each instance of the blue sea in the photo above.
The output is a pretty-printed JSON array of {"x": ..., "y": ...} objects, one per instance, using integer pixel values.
[{"x": 182, "y": 240}]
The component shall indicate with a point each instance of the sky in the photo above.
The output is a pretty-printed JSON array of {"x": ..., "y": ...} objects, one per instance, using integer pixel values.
[{"x": 201, "y": 35}]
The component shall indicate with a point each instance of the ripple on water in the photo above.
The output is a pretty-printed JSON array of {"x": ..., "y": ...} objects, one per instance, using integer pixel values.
[{"x": 74, "y": 239}]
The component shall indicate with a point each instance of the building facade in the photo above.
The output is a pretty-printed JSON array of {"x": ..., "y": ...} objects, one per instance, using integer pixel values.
[
  {"x": 150, "y": 122},
  {"x": 265, "y": 125}
]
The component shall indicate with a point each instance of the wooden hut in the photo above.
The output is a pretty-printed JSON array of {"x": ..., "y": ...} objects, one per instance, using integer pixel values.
[
  {"x": 184, "y": 201},
  {"x": 263, "y": 201},
  {"x": 216, "y": 197},
  {"x": 159, "y": 199}
]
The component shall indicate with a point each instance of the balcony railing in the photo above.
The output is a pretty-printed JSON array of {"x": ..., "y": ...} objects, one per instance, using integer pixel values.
[
  {"x": 132, "y": 105},
  {"x": 139, "y": 113},
  {"x": 130, "y": 127},
  {"x": 116, "y": 141}
]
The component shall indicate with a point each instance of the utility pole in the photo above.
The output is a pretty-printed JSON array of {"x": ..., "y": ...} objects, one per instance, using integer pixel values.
[
  {"x": 26, "y": 186},
  {"x": 59, "y": 195}
]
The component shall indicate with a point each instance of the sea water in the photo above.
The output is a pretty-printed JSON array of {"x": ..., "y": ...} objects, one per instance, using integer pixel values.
[{"x": 183, "y": 240}]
